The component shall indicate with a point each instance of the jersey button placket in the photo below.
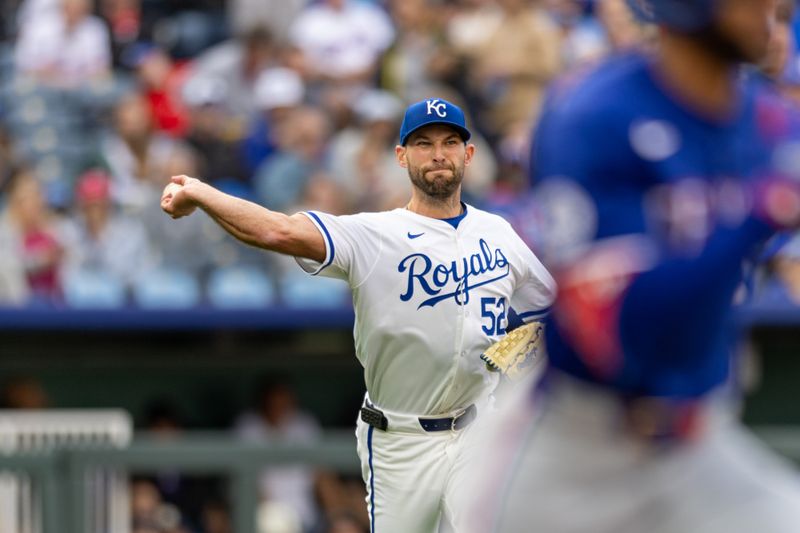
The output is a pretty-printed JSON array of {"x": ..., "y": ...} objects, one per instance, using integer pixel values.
[{"x": 464, "y": 311}]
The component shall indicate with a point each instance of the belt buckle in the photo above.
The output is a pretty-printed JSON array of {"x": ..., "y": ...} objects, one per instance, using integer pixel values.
[
  {"x": 374, "y": 417},
  {"x": 455, "y": 419}
]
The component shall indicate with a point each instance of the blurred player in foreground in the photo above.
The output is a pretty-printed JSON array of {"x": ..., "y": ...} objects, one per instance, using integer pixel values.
[
  {"x": 433, "y": 284},
  {"x": 661, "y": 175}
]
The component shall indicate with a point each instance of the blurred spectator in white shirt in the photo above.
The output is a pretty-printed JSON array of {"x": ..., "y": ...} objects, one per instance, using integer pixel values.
[
  {"x": 34, "y": 9},
  {"x": 470, "y": 26},
  {"x": 340, "y": 41},
  {"x": 277, "y": 15},
  {"x": 65, "y": 47}
]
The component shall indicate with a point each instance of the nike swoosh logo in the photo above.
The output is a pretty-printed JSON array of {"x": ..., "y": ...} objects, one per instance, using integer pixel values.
[{"x": 415, "y": 235}]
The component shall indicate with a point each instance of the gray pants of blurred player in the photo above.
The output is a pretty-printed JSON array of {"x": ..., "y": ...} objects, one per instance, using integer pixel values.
[{"x": 568, "y": 464}]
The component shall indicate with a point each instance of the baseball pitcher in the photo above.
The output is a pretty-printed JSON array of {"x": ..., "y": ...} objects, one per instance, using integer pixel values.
[{"x": 433, "y": 284}]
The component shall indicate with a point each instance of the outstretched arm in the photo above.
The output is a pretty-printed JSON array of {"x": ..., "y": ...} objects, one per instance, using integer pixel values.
[{"x": 251, "y": 223}]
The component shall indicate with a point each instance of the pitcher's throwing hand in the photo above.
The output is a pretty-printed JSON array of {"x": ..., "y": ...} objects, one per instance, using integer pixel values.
[{"x": 174, "y": 200}]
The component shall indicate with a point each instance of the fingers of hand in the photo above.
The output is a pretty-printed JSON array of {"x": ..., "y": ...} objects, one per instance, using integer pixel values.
[
  {"x": 174, "y": 200},
  {"x": 168, "y": 196},
  {"x": 168, "y": 202}
]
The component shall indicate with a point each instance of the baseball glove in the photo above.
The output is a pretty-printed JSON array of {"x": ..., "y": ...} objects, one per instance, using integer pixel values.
[{"x": 515, "y": 354}]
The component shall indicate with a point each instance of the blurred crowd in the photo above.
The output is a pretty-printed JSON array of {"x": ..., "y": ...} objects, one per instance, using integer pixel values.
[{"x": 292, "y": 104}]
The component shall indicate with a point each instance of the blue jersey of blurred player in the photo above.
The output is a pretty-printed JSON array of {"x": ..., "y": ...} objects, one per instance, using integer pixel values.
[{"x": 660, "y": 175}]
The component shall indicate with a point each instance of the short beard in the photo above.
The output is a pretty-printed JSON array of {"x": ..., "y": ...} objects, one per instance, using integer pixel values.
[{"x": 439, "y": 188}]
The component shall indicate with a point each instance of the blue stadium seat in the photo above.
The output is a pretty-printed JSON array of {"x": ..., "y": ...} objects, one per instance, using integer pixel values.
[
  {"x": 240, "y": 287},
  {"x": 299, "y": 290},
  {"x": 93, "y": 290},
  {"x": 166, "y": 289}
]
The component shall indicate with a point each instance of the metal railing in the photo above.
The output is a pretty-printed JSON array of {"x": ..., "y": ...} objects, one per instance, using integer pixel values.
[
  {"x": 63, "y": 473},
  {"x": 29, "y": 497}
]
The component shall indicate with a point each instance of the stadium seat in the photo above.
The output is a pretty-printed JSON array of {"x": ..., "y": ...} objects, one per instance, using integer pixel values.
[
  {"x": 166, "y": 289},
  {"x": 299, "y": 290},
  {"x": 93, "y": 290},
  {"x": 240, "y": 287}
]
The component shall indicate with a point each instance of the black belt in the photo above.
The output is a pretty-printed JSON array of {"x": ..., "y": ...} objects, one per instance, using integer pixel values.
[{"x": 375, "y": 418}]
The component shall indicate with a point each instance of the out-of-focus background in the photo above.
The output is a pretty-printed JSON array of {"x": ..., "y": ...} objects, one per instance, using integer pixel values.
[{"x": 155, "y": 375}]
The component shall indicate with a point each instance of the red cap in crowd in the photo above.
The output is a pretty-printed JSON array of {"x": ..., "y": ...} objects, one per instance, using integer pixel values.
[{"x": 93, "y": 186}]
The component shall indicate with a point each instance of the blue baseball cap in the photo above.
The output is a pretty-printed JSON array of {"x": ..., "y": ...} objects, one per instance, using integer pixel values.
[
  {"x": 680, "y": 15},
  {"x": 433, "y": 111}
]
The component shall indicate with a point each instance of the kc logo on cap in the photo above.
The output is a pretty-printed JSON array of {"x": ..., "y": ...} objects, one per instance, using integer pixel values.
[
  {"x": 439, "y": 107},
  {"x": 433, "y": 111}
]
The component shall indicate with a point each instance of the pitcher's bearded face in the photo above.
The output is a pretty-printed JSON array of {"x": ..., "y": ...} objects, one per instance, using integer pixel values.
[
  {"x": 435, "y": 157},
  {"x": 438, "y": 180}
]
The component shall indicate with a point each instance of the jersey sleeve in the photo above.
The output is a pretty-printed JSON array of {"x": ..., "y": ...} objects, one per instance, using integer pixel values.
[
  {"x": 536, "y": 289},
  {"x": 352, "y": 247}
]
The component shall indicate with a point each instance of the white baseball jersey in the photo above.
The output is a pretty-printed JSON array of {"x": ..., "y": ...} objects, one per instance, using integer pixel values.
[{"x": 429, "y": 299}]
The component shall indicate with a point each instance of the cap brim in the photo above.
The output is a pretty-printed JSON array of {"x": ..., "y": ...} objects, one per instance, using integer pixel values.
[{"x": 462, "y": 131}]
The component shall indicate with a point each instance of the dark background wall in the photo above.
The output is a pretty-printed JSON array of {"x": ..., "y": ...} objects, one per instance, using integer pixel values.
[
  {"x": 776, "y": 398},
  {"x": 210, "y": 374}
]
